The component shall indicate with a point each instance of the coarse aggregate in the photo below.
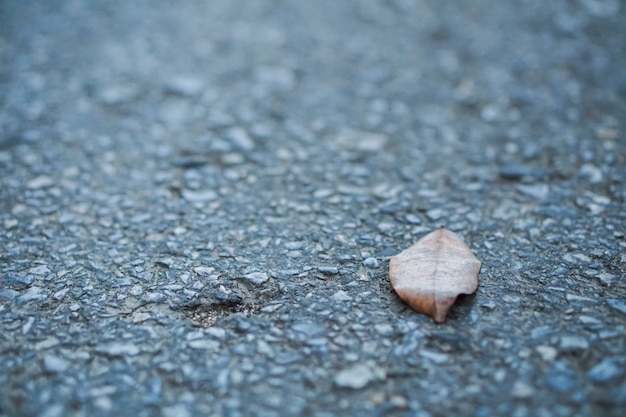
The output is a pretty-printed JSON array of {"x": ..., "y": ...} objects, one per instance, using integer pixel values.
[{"x": 199, "y": 200}]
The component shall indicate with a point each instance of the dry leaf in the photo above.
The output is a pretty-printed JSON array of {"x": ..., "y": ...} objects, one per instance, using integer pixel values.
[{"x": 430, "y": 275}]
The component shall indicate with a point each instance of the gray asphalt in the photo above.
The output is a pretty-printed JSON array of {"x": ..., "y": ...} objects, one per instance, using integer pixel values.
[{"x": 199, "y": 200}]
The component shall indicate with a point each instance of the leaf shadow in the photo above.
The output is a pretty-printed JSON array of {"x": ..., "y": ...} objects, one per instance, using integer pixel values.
[{"x": 463, "y": 305}]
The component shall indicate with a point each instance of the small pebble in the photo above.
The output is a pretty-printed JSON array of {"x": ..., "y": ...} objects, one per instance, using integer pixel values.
[
  {"x": 617, "y": 304},
  {"x": 54, "y": 364},
  {"x": 33, "y": 294},
  {"x": 517, "y": 172},
  {"x": 547, "y": 353},
  {"x": 328, "y": 270},
  {"x": 434, "y": 214},
  {"x": 204, "y": 270},
  {"x": 119, "y": 349},
  {"x": 8, "y": 294},
  {"x": 489, "y": 305},
  {"x": 185, "y": 85},
  {"x": 199, "y": 196},
  {"x": 413, "y": 219},
  {"x": 177, "y": 410},
  {"x": 560, "y": 377},
  {"x": 537, "y": 191},
  {"x": 341, "y": 296},
  {"x": 39, "y": 270},
  {"x": 576, "y": 258},
  {"x": 384, "y": 329},
  {"x": 592, "y": 321},
  {"x": 216, "y": 332},
  {"x": 606, "y": 278},
  {"x": 370, "y": 263},
  {"x": 115, "y": 94},
  {"x": 296, "y": 245},
  {"x": 54, "y": 410},
  {"x": 591, "y": 172},
  {"x": 204, "y": 344},
  {"x": 357, "y": 140},
  {"x": 522, "y": 390},
  {"x": 40, "y": 182},
  {"x": 435, "y": 357},
  {"x": 256, "y": 277},
  {"x": 605, "y": 371},
  {"x": 573, "y": 343},
  {"x": 355, "y": 377},
  {"x": 47, "y": 343},
  {"x": 20, "y": 280},
  {"x": 240, "y": 138}
]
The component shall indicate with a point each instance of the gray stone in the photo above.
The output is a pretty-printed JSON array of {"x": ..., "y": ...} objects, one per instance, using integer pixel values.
[
  {"x": 119, "y": 349},
  {"x": 185, "y": 85},
  {"x": 120, "y": 93},
  {"x": 434, "y": 214},
  {"x": 264, "y": 348},
  {"x": 592, "y": 173},
  {"x": 216, "y": 332},
  {"x": 489, "y": 305},
  {"x": 328, "y": 269},
  {"x": 573, "y": 343},
  {"x": 239, "y": 138},
  {"x": 576, "y": 258},
  {"x": 591, "y": 321},
  {"x": 256, "y": 277},
  {"x": 204, "y": 344},
  {"x": 547, "y": 353},
  {"x": 537, "y": 191},
  {"x": 358, "y": 376},
  {"x": 384, "y": 329},
  {"x": 204, "y": 270},
  {"x": 24, "y": 280},
  {"x": 517, "y": 172},
  {"x": 605, "y": 371},
  {"x": 294, "y": 245},
  {"x": 8, "y": 294},
  {"x": 200, "y": 196},
  {"x": 233, "y": 158},
  {"x": 309, "y": 329},
  {"x": 357, "y": 140},
  {"x": 34, "y": 293},
  {"x": 561, "y": 378},
  {"x": 176, "y": 410},
  {"x": 413, "y": 219},
  {"x": 54, "y": 410},
  {"x": 275, "y": 77},
  {"x": 606, "y": 278},
  {"x": 341, "y": 296},
  {"x": 410, "y": 342},
  {"x": 41, "y": 181},
  {"x": 434, "y": 357},
  {"x": 39, "y": 270},
  {"x": 154, "y": 297},
  {"x": 522, "y": 390},
  {"x": 47, "y": 343},
  {"x": 55, "y": 364},
  {"x": 370, "y": 262},
  {"x": 617, "y": 304}
]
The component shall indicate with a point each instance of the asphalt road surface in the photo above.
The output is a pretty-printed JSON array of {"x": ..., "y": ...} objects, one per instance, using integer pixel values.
[{"x": 199, "y": 200}]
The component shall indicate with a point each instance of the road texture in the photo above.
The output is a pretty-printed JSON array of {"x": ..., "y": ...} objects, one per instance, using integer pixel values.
[{"x": 198, "y": 202}]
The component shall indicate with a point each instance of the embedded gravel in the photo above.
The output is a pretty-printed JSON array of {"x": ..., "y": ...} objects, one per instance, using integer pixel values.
[{"x": 198, "y": 202}]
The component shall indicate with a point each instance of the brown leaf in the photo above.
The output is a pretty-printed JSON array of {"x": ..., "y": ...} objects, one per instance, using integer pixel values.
[{"x": 430, "y": 275}]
